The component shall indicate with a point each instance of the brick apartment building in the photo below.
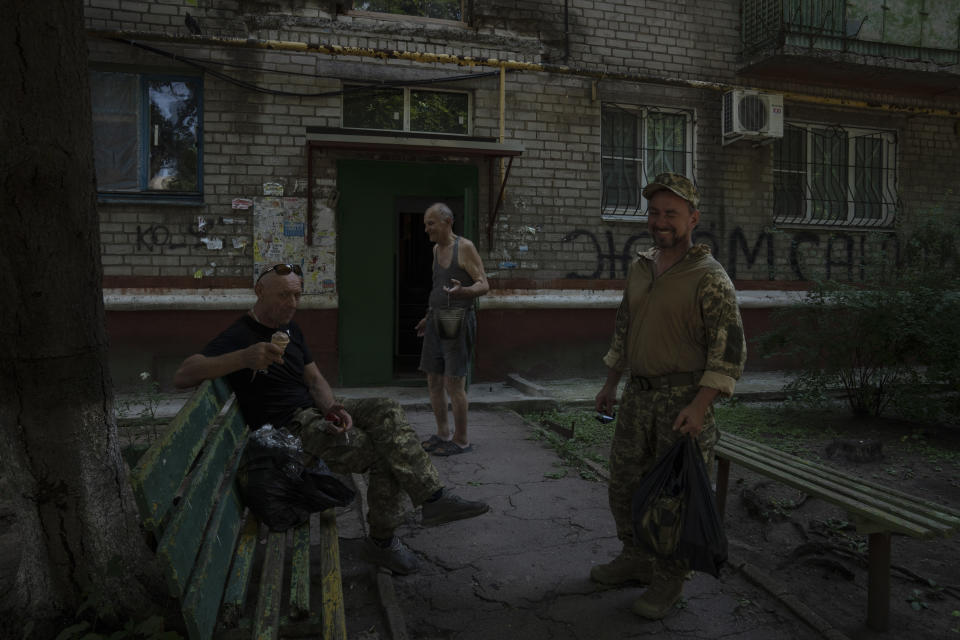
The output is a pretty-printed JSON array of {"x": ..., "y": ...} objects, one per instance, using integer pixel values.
[{"x": 235, "y": 134}]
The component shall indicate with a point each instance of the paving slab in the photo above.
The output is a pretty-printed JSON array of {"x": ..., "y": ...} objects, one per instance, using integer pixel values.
[{"x": 522, "y": 570}]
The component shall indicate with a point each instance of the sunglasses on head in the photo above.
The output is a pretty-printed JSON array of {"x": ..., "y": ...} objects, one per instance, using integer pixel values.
[{"x": 282, "y": 270}]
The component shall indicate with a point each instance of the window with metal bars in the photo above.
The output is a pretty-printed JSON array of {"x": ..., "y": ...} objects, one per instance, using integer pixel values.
[
  {"x": 637, "y": 143},
  {"x": 837, "y": 176}
]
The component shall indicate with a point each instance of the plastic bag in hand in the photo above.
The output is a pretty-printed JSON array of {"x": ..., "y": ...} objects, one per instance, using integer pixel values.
[{"x": 674, "y": 510}]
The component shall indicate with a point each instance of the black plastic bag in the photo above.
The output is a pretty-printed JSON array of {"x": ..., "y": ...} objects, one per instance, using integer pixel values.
[
  {"x": 675, "y": 512},
  {"x": 278, "y": 488}
]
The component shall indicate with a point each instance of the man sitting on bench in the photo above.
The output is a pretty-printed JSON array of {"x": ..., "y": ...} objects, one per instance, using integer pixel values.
[{"x": 278, "y": 383}]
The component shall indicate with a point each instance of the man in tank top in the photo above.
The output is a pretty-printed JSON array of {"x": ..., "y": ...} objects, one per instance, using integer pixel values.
[{"x": 458, "y": 278}]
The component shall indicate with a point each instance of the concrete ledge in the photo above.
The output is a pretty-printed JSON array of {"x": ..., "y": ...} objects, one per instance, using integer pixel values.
[
  {"x": 527, "y": 387},
  {"x": 201, "y": 299},
  {"x": 238, "y": 299}
]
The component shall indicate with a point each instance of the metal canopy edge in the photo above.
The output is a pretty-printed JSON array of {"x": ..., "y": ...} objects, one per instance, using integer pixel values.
[
  {"x": 459, "y": 146},
  {"x": 420, "y": 144}
]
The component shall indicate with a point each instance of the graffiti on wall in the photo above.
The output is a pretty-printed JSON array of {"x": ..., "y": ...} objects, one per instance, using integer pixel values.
[
  {"x": 765, "y": 254},
  {"x": 159, "y": 236}
]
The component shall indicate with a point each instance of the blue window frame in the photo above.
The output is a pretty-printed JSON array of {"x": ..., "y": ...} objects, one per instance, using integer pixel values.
[{"x": 147, "y": 135}]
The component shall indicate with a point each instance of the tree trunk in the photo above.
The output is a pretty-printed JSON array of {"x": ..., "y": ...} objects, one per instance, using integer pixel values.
[{"x": 70, "y": 509}]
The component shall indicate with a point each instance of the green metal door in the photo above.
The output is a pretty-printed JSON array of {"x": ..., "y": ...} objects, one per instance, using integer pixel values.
[{"x": 366, "y": 248}]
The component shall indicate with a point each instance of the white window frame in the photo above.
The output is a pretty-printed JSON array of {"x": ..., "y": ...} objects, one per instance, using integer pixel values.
[
  {"x": 638, "y": 212},
  {"x": 406, "y": 111},
  {"x": 888, "y": 186}
]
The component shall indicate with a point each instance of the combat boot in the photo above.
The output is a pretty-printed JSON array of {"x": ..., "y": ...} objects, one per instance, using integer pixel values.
[
  {"x": 660, "y": 597},
  {"x": 631, "y": 565}
]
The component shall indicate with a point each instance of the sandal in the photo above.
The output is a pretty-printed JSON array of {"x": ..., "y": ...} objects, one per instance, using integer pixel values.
[
  {"x": 430, "y": 444},
  {"x": 451, "y": 448}
]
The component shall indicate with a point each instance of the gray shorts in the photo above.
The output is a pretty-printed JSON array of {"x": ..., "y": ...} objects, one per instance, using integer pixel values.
[{"x": 448, "y": 357}]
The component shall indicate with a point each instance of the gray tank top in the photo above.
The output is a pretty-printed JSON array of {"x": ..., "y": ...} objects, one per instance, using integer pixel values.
[{"x": 441, "y": 279}]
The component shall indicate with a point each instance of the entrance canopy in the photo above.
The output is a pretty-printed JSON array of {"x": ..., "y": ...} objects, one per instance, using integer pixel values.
[{"x": 328, "y": 138}]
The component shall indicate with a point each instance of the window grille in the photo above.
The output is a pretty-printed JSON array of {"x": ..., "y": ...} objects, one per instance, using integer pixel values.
[
  {"x": 147, "y": 134},
  {"x": 836, "y": 176},
  {"x": 637, "y": 143}
]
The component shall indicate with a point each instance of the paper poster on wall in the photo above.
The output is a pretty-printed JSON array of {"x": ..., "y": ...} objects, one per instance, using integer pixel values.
[{"x": 279, "y": 236}]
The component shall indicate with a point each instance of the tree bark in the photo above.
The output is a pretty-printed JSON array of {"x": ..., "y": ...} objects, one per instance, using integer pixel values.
[{"x": 71, "y": 507}]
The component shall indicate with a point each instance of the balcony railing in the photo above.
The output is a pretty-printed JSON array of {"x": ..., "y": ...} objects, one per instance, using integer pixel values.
[{"x": 889, "y": 29}]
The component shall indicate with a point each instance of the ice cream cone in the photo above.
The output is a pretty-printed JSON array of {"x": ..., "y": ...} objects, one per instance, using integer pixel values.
[{"x": 280, "y": 339}]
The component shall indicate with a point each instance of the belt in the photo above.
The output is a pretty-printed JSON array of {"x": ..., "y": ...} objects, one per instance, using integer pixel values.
[{"x": 670, "y": 380}]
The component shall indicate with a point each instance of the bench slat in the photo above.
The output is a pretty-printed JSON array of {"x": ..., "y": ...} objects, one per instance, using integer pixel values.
[
  {"x": 857, "y": 499},
  {"x": 793, "y": 477},
  {"x": 235, "y": 595},
  {"x": 160, "y": 471},
  {"x": 202, "y": 601},
  {"x": 182, "y": 537},
  {"x": 334, "y": 619},
  {"x": 887, "y": 494},
  {"x": 300, "y": 572},
  {"x": 267, "y": 617}
]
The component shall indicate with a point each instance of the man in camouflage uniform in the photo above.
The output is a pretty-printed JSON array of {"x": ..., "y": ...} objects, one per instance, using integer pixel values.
[
  {"x": 679, "y": 336},
  {"x": 282, "y": 386}
]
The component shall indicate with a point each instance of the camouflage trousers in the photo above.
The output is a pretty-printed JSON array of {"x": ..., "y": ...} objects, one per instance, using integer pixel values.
[
  {"x": 381, "y": 443},
  {"x": 643, "y": 434}
]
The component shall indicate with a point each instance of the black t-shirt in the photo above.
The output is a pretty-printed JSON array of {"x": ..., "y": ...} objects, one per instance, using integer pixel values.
[{"x": 274, "y": 396}]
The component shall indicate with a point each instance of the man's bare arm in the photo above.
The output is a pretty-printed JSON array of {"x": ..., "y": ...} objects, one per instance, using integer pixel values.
[
  {"x": 199, "y": 367},
  {"x": 323, "y": 396},
  {"x": 470, "y": 261}
]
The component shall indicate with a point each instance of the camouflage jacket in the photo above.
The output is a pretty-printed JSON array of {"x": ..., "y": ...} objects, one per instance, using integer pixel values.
[{"x": 684, "y": 320}]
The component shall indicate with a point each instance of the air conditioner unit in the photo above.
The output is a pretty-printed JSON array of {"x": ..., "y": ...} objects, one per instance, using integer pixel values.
[{"x": 751, "y": 115}]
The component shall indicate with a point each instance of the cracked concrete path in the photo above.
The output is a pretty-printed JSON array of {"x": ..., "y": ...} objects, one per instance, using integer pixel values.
[{"x": 522, "y": 570}]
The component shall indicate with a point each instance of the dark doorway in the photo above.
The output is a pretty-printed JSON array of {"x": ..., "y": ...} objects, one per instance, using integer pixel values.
[{"x": 414, "y": 276}]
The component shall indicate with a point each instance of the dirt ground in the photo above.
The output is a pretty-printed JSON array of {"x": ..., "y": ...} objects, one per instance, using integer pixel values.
[{"x": 810, "y": 548}]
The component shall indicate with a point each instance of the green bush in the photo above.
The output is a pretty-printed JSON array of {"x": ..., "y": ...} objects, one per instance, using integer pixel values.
[{"x": 891, "y": 341}]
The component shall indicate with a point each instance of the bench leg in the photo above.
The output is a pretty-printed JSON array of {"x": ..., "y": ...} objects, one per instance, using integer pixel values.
[
  {"x": 878, "y": 585},
  {"x": 723, "y": 477}
]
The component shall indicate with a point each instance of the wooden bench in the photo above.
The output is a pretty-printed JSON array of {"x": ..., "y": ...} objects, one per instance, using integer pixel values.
[
  {"x": 185, "y": 490},
  {"x": 876, "y": 510}
]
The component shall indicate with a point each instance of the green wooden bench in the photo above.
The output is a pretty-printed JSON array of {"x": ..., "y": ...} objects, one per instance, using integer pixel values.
[
  {"x": 876, "y": 510},
  {"x": 184, "y": 487}
]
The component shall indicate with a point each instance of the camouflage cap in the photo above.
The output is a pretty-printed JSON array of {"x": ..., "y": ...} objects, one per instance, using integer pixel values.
[{"x": 675, "y": 182}]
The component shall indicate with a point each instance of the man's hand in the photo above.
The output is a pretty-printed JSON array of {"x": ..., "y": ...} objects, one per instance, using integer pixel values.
[
  {"x": 422, "y": 327},
  {"x": 691, "y": 417},
  {"x": 606, "y": 399},
  {"x": 261, "y": 355},
  {"x": 689, "y": 421},
  {"x": 338, "y": 420},
  {"x": 456, "y": 290}
]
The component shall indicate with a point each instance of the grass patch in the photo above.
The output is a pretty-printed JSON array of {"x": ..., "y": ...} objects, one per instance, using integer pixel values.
[{"x": 575, "y": 435}]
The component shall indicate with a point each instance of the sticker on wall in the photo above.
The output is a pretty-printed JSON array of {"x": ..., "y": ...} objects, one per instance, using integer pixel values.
[
  {"x": 241, "y": 203},
  {"x": 273, "y": 189},
  {"x": 214, "y": 244},
  {"x": 294, "y": 229},
  {"x": 279, "y": 236}
]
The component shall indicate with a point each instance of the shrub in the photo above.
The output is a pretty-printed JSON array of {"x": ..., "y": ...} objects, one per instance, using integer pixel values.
[{"x": 890, "y": 341}]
